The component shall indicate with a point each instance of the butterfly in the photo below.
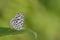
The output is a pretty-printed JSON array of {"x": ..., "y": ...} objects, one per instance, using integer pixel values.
[{"x": 17, "y": 22}]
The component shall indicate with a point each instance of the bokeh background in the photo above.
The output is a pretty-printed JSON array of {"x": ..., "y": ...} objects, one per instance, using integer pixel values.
[{"x": 41, "y": 16}]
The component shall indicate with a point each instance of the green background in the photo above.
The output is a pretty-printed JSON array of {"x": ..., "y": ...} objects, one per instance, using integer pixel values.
[{"x": 40, "y": 16}]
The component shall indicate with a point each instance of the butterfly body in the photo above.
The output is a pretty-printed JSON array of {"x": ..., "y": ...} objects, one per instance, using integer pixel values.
[{"x": 18, "y": 21}]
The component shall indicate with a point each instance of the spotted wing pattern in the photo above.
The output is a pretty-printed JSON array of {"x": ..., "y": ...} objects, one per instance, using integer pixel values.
[{"x": 18, "y": 21}]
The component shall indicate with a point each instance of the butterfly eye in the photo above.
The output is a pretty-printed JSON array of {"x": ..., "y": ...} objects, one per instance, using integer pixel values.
[{"x": 17, "y": 22}]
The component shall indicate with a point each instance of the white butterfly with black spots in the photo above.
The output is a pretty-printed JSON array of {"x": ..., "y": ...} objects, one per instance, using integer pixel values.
[{"x": 17, "y": 22}]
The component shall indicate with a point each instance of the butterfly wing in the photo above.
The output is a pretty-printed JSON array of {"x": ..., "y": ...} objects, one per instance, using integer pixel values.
[{"x": 17, "y": 22}]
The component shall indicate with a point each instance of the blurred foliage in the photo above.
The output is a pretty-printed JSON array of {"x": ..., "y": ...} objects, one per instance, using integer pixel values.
[{"x": 41, "y": 16}]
